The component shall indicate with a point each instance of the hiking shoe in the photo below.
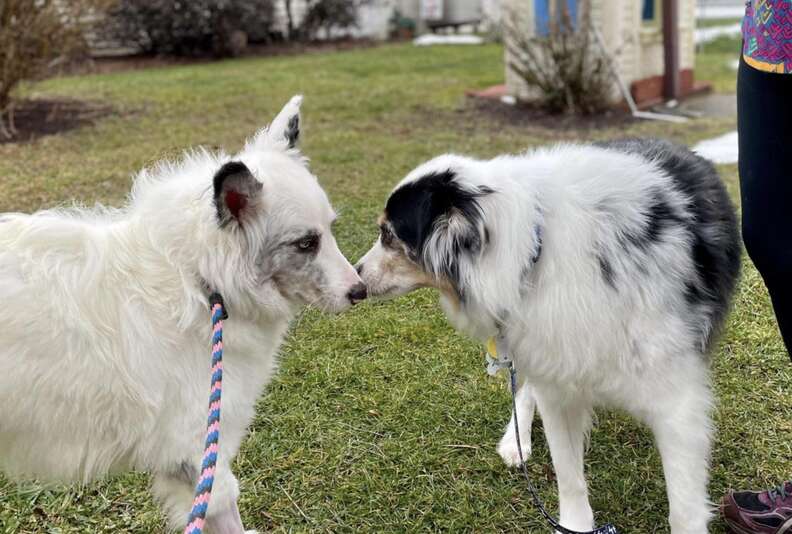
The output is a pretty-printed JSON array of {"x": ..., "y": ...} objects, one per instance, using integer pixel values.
[{"x": 755, "y": 512}]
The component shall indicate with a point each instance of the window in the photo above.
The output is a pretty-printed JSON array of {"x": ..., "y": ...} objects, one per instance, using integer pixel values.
[
  {"x": 544, "y": 8},
  {"x": 650, "y": 12}
]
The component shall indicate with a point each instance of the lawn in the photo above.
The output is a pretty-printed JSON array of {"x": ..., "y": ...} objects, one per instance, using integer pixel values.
[
  {"x": 715, "y": 63},
  {"x": 381, "y": 420}
]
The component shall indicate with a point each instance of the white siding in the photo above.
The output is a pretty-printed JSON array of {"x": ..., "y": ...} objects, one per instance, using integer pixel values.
[{"x": 373, "y": 17}]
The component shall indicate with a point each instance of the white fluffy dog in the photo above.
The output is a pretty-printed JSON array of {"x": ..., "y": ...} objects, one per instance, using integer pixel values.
[
  {"x": 105, "y": 349},
  {"x": 607, "y": 270}
]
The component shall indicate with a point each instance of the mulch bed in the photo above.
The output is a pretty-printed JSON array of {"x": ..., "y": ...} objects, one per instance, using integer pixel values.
[
  {"x": 531, "y": 116},
  {"x": 37, "y": 118}
]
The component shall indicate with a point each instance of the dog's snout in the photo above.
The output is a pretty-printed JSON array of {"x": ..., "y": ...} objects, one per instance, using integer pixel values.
[{"x": 357, "y": 293}]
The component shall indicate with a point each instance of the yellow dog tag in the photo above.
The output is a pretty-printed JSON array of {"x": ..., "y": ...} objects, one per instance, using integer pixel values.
[{"x": 492, "y": 347}]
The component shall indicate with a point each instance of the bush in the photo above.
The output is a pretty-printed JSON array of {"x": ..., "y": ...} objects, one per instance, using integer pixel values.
[
  {"x": 328, "y": 15},
  {"x": 401, "y": 26},
  {"x": 567, "y": 65},
  {"x": 33, "y": 35},
  {"x": 192, "y": 27}
]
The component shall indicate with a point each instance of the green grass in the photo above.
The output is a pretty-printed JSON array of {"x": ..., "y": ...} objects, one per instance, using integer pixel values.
[
  {"x": 714, "y": 63},
  {"x": 709, "y": 23},
  {"x": 381, "y": 419}
]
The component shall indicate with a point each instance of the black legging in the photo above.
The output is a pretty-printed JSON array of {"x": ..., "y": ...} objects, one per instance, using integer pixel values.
[{"x": 764, "y": 119}]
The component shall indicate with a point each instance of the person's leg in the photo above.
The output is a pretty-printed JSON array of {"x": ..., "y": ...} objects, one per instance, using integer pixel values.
[{"x": 764, "y": 116}]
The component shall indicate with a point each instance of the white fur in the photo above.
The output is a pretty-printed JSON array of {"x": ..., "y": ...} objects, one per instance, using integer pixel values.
[
  {"x": 105, "y": 345},
  {"x": 578, "y": 342}
]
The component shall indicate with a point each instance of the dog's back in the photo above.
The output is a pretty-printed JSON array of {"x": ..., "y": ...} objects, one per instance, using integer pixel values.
[
  {"x": 709, "y": 218},
  {"x": 70, "y": 384},
  {"x": 639, "y": 248}
]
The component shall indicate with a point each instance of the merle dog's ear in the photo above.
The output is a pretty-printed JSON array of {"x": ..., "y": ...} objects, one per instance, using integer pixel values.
[
  {"x": 458, "y": 234},
  {"x": 437, "y": 207},
  {"x": 463, "y": 229},
  {"x": 285, "y": 127},
  {"x": 236, "y": 192}
]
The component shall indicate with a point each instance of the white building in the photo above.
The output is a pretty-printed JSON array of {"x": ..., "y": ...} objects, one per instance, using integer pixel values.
[
  {"x": 374, "y": 19},
  {"x": 638, "y": 36}
]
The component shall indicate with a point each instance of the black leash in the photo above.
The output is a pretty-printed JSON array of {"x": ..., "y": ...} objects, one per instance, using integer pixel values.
[{"x": 608, "y": 528}]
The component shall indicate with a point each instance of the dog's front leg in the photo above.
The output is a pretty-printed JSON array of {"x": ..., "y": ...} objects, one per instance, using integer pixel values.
[
  {"x": 226, "y": 521},
  {"x": 507, "y": 448},
  {"x": 566, "y": 423},
  {"x": 223, "y": 517},
  {"x": 175, "y": 491}
]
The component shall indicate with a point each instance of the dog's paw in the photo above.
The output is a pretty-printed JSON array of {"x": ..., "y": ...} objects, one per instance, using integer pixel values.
[{"x": 507, "y": 448}]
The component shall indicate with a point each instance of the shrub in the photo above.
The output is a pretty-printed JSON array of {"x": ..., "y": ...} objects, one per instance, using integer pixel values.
[
  {"x": 566, "y": 65},
  {"x": 34, "y": 34},
  {"x": 192, "y": 27},
  {"x": 401, "y": 26},
  {"x": 329, "y": 15}
]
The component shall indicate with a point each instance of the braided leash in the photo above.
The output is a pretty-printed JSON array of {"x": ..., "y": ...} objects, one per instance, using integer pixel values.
[{"x": 203, "y": 490}]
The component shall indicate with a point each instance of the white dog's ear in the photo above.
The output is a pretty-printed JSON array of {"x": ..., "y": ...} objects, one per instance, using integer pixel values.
[
  {"x": 236, "y": 193},
  {"x": 285, "y": 127}
]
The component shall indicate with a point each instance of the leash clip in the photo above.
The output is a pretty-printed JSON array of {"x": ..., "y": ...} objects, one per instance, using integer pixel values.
[
  {"x": 497, "y": 356},
  {"x": 217, "y": 298}
]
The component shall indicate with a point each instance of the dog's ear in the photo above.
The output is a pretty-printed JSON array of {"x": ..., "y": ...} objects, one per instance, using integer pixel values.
[
  {"x": 462, "y": 229},
  {"x": 457, "y": 238},
  {"x": 236, "y": 192},
  {"x": 437, "y": 207},
  {"x": 441, "y": 221},
  {"x": 285, "y": 127}
]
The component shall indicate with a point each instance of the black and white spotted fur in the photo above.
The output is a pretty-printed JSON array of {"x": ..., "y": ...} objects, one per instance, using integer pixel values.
[{"x": 609, "y": 268}]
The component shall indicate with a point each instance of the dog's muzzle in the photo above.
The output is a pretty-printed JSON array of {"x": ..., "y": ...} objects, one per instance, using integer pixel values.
[{"x": 358, "y": 293}]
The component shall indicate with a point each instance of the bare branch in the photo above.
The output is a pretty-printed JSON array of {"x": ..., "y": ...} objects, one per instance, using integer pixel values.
[{"x": 565, "y": 65}]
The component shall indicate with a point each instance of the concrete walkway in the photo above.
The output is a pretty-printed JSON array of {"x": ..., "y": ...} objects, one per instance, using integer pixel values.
[{"x": 722, "y": 149}]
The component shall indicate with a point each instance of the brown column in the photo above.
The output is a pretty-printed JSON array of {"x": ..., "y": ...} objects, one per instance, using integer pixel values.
[{"x": 671, "y": 48}]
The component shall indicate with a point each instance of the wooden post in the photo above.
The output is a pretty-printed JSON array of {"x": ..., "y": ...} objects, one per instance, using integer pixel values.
[{"x": 671, "y": 48}]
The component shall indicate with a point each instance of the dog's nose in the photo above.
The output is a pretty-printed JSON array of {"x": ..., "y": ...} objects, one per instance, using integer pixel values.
[
  {"x": 359, "y": 268},
  {"x": 357, "y": 293}
]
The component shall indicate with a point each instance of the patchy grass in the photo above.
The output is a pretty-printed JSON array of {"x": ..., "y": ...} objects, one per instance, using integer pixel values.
[
  {"x": 381, "y": 419},
  {"x": 709, "y": 23},
  {"x": 715, "y": 63}
]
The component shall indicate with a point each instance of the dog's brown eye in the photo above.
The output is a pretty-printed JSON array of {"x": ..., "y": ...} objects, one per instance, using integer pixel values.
[{"x": 308, "y": 243}]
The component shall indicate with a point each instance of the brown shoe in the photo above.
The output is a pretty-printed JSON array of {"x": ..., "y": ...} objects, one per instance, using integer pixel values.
[{"x": 759, "y": 512}]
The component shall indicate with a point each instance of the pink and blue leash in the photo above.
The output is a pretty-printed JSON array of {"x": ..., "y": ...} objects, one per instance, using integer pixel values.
[{"x": 203, "y": 490}]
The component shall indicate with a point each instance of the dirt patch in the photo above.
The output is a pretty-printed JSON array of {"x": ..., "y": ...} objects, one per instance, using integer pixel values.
[
  {"x": 37, "y": 118},
  {"x": 524, "y": 115}
]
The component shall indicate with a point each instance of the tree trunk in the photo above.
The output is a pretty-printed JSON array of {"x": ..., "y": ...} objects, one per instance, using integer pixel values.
[{"x": 289, "y": 20}]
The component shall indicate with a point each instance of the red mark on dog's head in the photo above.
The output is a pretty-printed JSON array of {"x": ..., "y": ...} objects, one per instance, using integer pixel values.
[{"x": 235, "y": 202}]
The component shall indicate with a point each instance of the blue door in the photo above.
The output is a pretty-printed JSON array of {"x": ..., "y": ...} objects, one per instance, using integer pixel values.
[{"x": 542, "y": 10}]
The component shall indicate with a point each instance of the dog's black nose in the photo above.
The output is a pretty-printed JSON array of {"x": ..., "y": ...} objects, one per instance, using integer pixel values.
[
  {"x": 359, "y": 268},
  {"x": 357, "y": 293}
]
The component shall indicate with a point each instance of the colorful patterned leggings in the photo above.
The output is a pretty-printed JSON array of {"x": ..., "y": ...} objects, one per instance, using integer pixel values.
[{"x": 764, "y": 117}]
